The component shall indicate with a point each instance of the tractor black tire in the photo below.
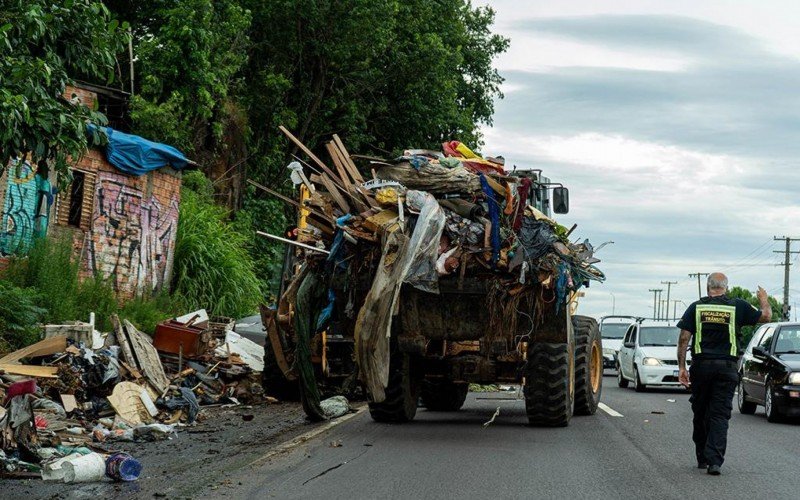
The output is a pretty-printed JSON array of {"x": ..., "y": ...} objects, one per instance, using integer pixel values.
[
  {"x": 273, "y": 381},
  {"x": 443, "y": 395},
  {"x": 549, "y": 402},
  {"x": 588, "y": 353},
  {"x": 402, "y": 393}
]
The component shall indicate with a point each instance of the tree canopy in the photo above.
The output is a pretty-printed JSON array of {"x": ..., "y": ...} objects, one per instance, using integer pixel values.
[
  {"x": 738, "y": 292},
  {"x": 44, "y": 46}
]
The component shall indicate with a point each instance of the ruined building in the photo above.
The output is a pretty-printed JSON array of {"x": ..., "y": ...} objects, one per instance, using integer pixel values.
[{"x": 123, "y": 225}]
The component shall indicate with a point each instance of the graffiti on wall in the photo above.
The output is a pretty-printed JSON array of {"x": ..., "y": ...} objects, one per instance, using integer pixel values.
[
  {"x": 132, "y": 237},
  {"x": 25, "y": 215}
]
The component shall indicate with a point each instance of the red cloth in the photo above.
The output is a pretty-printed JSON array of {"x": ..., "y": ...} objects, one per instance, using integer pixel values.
[
  {"x": 20, "y": 388},
  {"x": 523, "y": 191}
]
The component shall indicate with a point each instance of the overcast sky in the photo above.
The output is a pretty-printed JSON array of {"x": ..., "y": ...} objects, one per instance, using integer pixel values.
[{"x": 676, "y": 127}]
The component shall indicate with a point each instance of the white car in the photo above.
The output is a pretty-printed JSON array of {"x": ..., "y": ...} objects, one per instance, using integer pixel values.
[
  {"x": 649, "y": 356},
  {"x": 612, "y": 330}
]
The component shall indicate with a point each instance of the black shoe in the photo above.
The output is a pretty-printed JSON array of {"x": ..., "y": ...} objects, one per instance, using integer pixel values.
[
  {"x": 713, "y": 470},
  {"x": 702, "y": 465}
]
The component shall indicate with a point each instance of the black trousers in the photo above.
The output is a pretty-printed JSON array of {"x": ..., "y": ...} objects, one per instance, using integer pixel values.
[{"x": 713, "y": 385}]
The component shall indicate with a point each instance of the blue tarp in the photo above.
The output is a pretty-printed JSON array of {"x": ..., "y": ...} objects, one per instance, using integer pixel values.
[{"x": 136, "y": 156}]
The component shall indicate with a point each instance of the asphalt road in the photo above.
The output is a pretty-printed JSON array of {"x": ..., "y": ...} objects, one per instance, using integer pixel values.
[{"x": 645, "y": 453}]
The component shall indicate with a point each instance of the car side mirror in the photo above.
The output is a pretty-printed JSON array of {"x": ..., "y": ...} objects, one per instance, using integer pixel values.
[
  {"x": 561, "y": 200},
  {"x": 759, "y": 352},
  {"x": 629, "y": 345}
]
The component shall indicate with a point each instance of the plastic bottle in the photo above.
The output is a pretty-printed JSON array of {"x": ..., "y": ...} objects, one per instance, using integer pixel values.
[{"x": 123, "y": 467}]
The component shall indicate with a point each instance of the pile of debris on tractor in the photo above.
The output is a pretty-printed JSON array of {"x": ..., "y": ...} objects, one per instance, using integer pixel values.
[
  {"x": 417, "y": 219},
  {"x": 70, "y": 398}
]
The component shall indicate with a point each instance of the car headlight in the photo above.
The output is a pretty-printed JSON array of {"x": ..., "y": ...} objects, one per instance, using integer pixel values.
[
  {"x": 794, "y": 378},
  {"x": 651, "y": 362},
  {"x": 609, "y": 351}
]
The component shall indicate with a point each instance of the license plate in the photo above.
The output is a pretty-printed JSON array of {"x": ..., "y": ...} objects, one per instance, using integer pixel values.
[{"x": 675, "y": 373}]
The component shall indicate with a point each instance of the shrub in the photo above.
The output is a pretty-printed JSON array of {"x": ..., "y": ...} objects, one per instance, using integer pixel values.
[
  {"x": 146, "y": 313},
  {"x": 19, "y": 316},
  {"x": 212, "y": 268}
]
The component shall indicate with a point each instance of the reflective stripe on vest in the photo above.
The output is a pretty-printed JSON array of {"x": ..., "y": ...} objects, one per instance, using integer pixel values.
[{"x": 711, "y": 310}]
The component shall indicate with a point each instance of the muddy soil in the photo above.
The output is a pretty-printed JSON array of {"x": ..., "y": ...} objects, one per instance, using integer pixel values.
[{"x": 196, "y": 463}]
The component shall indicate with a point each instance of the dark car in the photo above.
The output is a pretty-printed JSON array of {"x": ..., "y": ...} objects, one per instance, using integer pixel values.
[{"x": 770, "y": 372}]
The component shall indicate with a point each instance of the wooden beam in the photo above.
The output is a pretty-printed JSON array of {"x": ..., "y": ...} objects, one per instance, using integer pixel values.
[
  {"x": 308, "y": 152},
  {"x": 334, "y": 153},
  {"x": 351, "y": 167},
  {"x": 30, "y": 371},
  {"x": 337, "y": 197},
  {"x": 289, "y": 200}
]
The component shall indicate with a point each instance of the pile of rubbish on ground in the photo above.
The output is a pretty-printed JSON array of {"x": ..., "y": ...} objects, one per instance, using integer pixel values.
[
  {"x": 68, "y": 398},
  {"x": 423, "y": 217}
]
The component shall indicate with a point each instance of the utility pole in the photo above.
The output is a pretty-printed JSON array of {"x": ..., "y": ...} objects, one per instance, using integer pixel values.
[
  {"x": 655, "y": 300},
  {"x": 669, "y": 287},
  {"x": 658, "y": 315},
  {"x": 786, "y": 263},
  {"x": 675, "y": 309},
  {"x": 699, "y": 290}
]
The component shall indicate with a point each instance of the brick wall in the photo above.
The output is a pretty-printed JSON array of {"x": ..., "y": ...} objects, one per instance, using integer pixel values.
[{"x": 130, "y": 235}]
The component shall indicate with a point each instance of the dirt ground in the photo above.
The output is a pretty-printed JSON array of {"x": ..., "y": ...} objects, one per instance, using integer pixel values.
[{"x": 196, "y": 462}]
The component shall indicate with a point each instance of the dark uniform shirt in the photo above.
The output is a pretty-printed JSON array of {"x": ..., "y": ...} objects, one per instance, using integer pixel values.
[{"x": 715, "y": 324}]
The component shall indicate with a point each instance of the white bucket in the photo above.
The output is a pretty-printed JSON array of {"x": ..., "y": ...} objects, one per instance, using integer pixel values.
[{"x": 85, "y": 468}]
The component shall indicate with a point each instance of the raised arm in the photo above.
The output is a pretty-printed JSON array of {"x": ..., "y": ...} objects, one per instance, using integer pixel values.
[{"x": 766, "y": 309}]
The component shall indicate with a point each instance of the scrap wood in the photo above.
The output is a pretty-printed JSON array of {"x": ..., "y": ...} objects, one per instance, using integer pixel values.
[
  {"x": 339, "y": 164},
  {"x": 290, "y": 201},
  {"x": 334, "y": 193},
  {"x": 311, "y": 155},
  {"x": 30, "y": 370},
  {"x": 146, "y": 357},
  {"x": 46, "y": 347},
  {"x": 292, "y": 242},
  {"x": 351, "y": 167}
]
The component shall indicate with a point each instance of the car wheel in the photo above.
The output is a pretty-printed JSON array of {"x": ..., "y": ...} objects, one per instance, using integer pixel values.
[
  {"x": 621, "y": 381},
  {"x": 637, "y": 381},
  {"x": 745, "y": 407},
  {"x": 769, "y": 405}
]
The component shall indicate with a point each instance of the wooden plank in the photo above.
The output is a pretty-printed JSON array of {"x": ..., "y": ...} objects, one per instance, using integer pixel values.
[
  {"x": 30, "y": 371},
  {"x": 147, "y": 358},
  {"x": 311, "y": 155},
  {"x": 334, "y": 192},
  {"x": 348, "y": 184},
  {"x": 289, "y": 200},
  {"x": 351, "y": 166},
  {"x": 122, "y": 339},
  {"x": 45, "y": 347},
  {"x": 339, "y": 159}
]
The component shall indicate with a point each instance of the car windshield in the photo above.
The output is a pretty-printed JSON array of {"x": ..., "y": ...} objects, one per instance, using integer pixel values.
[
  {"x": 659, "y": 336},
  {"x": 613, "y": 330},
  {"x": 788, "y": 341}
]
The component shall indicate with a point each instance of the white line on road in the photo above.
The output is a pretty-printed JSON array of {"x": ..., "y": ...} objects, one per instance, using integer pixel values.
[
  {"x": 306, "y": 437},
  {"x": 608, "y": 410}
]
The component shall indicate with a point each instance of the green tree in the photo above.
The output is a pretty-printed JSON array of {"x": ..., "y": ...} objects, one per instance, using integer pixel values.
[
  {"x": 742, "y": 293},
  {"x": 43, "y": 47}
]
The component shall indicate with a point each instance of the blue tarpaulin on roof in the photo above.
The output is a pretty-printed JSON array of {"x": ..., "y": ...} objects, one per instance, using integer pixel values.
[{"x": 136, "y": 156}]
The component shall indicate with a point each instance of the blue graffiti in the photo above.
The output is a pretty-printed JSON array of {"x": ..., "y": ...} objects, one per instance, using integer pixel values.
[{"x": 24, "y": 217}]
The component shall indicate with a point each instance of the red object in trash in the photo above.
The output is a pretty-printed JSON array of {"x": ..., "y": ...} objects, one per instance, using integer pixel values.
[
  {"x": 172, "y": 335},
  {"x": 20, "y": 389},
  {"x": 41, "y": 422}
]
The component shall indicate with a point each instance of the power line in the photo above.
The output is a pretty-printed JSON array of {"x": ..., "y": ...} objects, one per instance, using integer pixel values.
[{"x": 699, "y": 290}]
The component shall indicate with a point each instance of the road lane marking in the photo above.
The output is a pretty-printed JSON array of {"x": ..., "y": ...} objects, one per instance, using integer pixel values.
[
  {"x": 608, "y": 410},
  {"x": 303, "y": 438}
]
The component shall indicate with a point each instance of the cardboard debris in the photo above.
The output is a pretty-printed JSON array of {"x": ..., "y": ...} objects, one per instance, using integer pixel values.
[
  {"x": 69, "y": 402},
  {"x": 127, "y": 402}
]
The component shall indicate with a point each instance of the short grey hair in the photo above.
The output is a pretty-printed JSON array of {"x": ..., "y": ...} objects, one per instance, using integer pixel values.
[{"x": 717, "y": 281}]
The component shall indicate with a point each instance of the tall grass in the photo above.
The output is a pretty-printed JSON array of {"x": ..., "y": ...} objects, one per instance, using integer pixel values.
[
  {"x": 212, "y": 268},
  {"x": 19, "y": 316}
]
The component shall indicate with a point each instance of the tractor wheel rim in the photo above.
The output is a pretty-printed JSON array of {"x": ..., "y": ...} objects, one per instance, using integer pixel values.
[{"x": 596, "y": 368}]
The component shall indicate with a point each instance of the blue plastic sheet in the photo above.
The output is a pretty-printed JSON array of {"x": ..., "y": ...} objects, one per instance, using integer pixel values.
[
  {"x": 494, "y": 216},
  {"x": 135, "y": 155}
]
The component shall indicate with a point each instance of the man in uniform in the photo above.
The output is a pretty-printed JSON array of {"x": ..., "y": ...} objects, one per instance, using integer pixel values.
[{"x": 713, "y": 325}]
